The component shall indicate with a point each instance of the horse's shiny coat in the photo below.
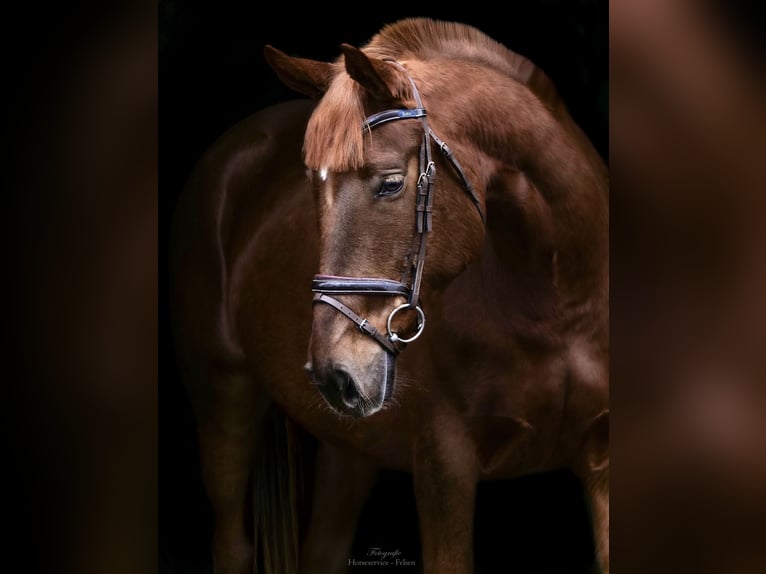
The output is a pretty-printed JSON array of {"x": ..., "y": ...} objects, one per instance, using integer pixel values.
[{"x": 511, "y": 375}]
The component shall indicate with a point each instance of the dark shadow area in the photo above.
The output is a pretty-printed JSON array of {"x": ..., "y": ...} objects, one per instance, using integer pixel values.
[{"x": 531, "y": 525}]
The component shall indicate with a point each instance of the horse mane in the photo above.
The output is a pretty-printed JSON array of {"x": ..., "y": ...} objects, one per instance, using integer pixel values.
[
  {"x": 424, "y": 38},
  {"x": 334, "y": 138}
]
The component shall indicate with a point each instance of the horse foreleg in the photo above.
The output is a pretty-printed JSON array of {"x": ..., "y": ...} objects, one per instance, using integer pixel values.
[
  {"x": 598, "y": 493},
  {"x": 227, "y": 435},
  {"x": 445, "y": 474},
  {"x": 342, "y": 486},
  {"x": 594, "y": 473}
]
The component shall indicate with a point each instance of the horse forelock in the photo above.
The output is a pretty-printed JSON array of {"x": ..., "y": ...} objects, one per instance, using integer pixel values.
[{"x": 334, "y": 138}]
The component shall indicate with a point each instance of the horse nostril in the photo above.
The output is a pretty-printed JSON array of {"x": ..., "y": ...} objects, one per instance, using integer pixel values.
[{"x": 349, "y": 392}]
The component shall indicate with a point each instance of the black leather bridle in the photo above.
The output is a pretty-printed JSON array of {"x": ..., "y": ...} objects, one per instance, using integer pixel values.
[{"x": 326, "y": 287}]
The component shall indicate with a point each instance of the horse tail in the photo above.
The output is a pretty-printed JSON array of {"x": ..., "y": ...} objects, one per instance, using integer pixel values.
[{"x": 277, "y": 490}]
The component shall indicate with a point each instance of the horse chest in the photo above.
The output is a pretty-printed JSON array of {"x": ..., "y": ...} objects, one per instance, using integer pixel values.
[{"x": 514, "y": 413}]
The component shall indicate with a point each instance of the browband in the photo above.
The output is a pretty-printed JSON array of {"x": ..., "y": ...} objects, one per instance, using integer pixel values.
[{"x": 388, "y": 115}]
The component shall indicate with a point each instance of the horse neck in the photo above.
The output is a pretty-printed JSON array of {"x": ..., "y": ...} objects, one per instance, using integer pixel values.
[
  {"x": 545, "y": 254},
  {"x": 543, "y": 174}
]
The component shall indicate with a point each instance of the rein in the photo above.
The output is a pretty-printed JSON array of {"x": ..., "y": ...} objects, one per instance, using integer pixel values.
[{"x": 326, "y": 287}]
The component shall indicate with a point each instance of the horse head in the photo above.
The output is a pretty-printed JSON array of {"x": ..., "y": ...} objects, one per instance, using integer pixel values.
[{"x": 393, "y": 234}]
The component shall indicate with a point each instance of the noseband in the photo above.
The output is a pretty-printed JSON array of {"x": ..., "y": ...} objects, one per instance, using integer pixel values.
[{"x": 326, "y": 287}]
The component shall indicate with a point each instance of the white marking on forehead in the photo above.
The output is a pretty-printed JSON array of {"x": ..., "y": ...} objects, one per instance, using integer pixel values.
[{"x": 328, "y": 193}]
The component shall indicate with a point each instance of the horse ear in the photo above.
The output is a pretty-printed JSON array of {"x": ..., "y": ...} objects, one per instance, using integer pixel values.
[
  {"x": 309, "y": 77},
  {"x": 376, "y": 76}
]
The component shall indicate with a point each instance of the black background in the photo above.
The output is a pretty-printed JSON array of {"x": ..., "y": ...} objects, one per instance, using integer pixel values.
[{"x": 212, "y": 74}]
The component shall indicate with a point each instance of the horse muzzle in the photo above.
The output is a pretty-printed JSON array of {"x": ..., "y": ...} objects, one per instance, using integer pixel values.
[{"x": 356, "y": 390}]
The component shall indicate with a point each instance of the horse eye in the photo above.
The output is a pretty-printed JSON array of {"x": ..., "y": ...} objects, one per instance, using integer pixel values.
[{"x": 391, "y": 185}]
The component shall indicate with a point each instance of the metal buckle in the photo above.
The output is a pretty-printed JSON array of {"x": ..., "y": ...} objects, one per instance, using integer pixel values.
[{"x": 429, "y": 171}]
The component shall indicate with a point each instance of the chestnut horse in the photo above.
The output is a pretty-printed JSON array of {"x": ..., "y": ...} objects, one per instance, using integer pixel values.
[{"x": 451, "y": 220}]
